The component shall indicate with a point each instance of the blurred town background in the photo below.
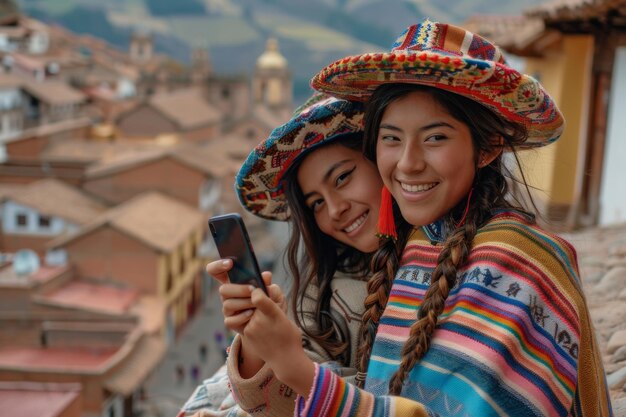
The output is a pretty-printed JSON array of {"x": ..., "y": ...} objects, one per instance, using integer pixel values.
[{"x": 123, "y": 122}]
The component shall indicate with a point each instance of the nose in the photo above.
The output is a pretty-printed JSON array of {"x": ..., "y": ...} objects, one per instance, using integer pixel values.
[
  {"x": 411, "y": 160},
  {"x": 337, "y": 205}
]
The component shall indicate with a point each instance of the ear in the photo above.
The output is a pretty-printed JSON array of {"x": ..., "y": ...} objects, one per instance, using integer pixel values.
[{"x": 487, "y": 157}]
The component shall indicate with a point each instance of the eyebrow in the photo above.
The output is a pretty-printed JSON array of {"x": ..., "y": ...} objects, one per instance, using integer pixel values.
[
  {"x": 423, "y": 128},
  {"x": 327, "y": 175}
]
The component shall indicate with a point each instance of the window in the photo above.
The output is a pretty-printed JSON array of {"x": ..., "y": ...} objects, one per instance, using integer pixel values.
[
  {"x": 44, "y": 222},
  {"x": 225, "y": 92},
  {"x": 21, "y": 220}
]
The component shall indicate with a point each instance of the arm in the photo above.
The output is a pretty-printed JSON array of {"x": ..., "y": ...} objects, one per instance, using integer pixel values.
[
  {"x": 276, "y": 339},
  {"x": 270, "y": 396}
]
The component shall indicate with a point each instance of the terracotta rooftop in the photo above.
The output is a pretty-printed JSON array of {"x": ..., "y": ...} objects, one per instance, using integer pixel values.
[
  {"x": 511, "y": 33},
  {"x": 27, "y": 399},
  {"x": 92, "y": 150},
  {"x": 606, "y": 12},
  {"x": 157, "y": 220},
  {"x": 94, "y": 296},
  {"x": 55, "y": 198},
  {"x": 151, "y": 311},
  {"x": 54, "y": 92},
  {"x": 45, "y": 273},
  {"x": 8, "y": 189},
  {"x": 9, "y": 80},
  {"x": 56, "y": 359},
  {"x": 186, "y": 107},
  {"x": 202, "y": 157},
  {"x": 52, "y": 128},
  {"x": 146, "y": 355}
]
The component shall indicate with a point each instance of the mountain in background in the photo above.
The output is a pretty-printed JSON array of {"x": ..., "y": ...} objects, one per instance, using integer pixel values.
[{"x": 312, "y": 33}]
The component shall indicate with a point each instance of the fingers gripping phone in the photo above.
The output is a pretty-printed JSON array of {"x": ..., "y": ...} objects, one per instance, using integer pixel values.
[{"x": 232, "y": 241}]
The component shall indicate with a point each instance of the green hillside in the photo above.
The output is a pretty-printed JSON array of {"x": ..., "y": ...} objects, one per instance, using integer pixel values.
[{"x": 311, "y": 32}]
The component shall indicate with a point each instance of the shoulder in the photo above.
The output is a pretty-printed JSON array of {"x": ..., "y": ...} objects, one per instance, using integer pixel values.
[{"x": 516, "y": 234}]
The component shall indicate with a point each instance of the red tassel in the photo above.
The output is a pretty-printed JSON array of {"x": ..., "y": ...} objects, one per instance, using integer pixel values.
[
  {"x": 462, "y": 221},
  {"x": 386, "y": 224}
]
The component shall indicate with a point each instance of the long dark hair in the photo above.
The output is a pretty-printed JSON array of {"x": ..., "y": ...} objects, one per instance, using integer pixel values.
[
  {"x": 490, "y": 191},
  {"x": 318, "y": 260}
]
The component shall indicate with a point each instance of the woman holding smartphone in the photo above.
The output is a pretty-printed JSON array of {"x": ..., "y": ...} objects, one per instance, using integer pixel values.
[{"x": 312, "y": 173}]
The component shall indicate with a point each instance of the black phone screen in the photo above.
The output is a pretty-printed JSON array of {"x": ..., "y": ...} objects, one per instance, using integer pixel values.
[{"x": 233, "y": 243}]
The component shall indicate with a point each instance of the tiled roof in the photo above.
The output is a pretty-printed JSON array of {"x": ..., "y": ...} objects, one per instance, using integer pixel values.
[
  {"x": 159, "y": 221},
  {"x": 27, "y": 399},
  {"x": 125, "y": 160},
  {"x": 93, "y": 150},
  {"x": 202, "y": 157},
  {"x": 192, "y": 155},
  {"x": 146, "y": 355},
  {"x": 76, "y": 359},
  {"x": 8, "y": 277},
  {"x": 186, "y": 107},
  {"x": 9, "y": 81},
  {"x": 49, "y": 129},
  {"x": 8, "y": 189},
  {"x": 565, "y": 10},
  {"x": 93, "y": 296},
  {"x": 151, "y": 311},
  {"x": 512, "y": 33},
  {"x": 52, "y": 197},
  {"x": 54, "y": 92}
]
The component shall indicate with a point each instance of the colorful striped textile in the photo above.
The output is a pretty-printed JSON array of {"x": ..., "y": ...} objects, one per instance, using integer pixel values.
[{"x": 515, "y": 337}]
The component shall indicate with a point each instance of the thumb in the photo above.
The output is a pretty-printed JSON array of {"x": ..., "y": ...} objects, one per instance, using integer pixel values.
[
  {"x": 267, "y": 278},
  {"x": 263, "y": 303}
]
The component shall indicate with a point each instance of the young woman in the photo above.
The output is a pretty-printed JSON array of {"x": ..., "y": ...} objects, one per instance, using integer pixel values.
[
  {"x": 484, "y": 314},
  {"x": 312, "y": 172}
]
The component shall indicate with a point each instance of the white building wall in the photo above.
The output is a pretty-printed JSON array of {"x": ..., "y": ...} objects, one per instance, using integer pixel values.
[
  {"x": 12, "y": 210},
  {"x": 613, "y": 188}
]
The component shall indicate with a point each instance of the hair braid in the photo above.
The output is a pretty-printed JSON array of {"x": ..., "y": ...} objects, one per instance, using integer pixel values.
[
  {"x": 384, "y": 265},
  {"x": 454, "y": 253}
]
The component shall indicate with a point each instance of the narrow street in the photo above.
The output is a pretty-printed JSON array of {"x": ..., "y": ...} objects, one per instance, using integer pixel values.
[{"x": 165, "y": 393}]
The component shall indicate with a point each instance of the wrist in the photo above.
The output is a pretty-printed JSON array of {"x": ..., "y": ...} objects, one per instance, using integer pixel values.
[
  {"x": 296, "y": 370},
  {"x": 248, "y": 363}
]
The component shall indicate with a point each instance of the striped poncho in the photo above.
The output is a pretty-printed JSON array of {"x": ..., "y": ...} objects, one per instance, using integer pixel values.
[{"x": 515, "y": 337}]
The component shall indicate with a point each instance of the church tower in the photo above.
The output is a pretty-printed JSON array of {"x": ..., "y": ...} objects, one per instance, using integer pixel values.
[
  {"x": 200, "y": 65},
  {"x": 272, "y": 85},
  {"x": 141, "y": 47}
]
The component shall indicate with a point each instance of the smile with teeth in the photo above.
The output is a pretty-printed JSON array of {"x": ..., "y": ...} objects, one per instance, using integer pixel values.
[
  {"x": 356, "y": 223},
  {"x": 419, "y": 188}
]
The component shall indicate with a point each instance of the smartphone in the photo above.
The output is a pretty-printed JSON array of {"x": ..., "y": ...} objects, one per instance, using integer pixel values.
[{"x": 232, "y": 241}]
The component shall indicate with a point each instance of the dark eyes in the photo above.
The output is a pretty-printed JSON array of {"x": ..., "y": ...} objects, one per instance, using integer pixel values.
[
  {"x": 431, "y": 138},
  {"x": 344, "y": 176},
  {"x": 340, "y": 180}
]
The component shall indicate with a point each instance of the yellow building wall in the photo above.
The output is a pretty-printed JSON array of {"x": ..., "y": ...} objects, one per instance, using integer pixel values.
[{"x": 556, "y": 170}]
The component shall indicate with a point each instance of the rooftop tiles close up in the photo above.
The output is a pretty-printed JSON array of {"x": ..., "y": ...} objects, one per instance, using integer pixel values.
[{"x": 61, "y": 359}]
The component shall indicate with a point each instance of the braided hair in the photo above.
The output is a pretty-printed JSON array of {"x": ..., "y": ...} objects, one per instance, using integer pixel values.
[{"x": 490, "y": 191}]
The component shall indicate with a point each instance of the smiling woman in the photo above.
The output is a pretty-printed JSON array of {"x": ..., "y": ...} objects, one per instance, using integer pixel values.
[{"x": 310, "y": 171}]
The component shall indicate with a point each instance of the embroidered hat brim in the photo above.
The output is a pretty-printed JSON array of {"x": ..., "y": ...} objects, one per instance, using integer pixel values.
[
  {"x": 450, "y": 58},
  {"x": 259, "y": 184}
]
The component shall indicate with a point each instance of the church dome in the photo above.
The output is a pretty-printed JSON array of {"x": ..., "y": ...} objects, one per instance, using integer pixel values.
[{"x": 271, "y": 58}]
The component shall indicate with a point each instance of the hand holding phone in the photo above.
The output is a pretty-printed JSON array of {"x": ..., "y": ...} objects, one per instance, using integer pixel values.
[{"x": 233, "y": 242}]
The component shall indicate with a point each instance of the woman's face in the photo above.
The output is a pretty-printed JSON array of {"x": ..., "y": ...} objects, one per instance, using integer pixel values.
[
  {"x": 425, "y": 157},
  {"x": 342, "y": 189}
]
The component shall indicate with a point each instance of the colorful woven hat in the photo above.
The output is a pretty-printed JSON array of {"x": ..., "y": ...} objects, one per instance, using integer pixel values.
[
  {"x": 260, "y": 181},
  {"x": 450, "y": 58}
]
